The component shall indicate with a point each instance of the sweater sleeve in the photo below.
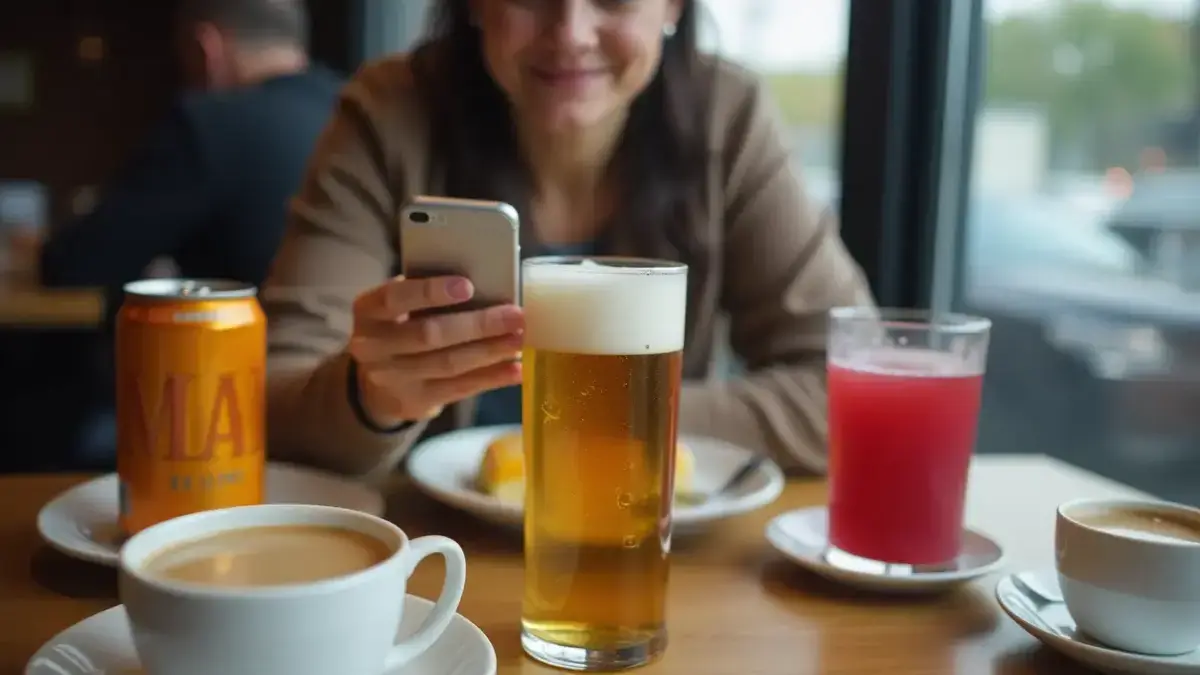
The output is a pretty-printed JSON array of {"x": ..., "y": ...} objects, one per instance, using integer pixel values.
[
  {"x": 339, "y": 243},
  {"x": 785, "y": 267}
]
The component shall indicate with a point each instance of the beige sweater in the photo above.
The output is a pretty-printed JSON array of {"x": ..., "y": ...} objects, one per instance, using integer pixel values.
[{"x": 774, "y": 270}]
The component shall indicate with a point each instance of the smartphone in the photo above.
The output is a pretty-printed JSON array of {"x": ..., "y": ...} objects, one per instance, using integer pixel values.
[{"x": 479, "y": 240}]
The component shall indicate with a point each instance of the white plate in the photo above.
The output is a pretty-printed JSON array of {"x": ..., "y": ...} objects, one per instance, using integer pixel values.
[
  {"x": 1053, "y": 626},
  {"x": 445, "y": 467},
  {"x": 102, "y": 645},
  {"x": 803, "y": 536},
  {"x": 82, "y": 522}
]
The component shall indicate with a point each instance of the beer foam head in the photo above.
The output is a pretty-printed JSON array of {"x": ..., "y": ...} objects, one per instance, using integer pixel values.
[{"x": 594, "y": 308}]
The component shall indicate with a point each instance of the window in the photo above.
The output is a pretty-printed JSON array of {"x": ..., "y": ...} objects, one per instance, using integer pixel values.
[
  {"x": 1081, "y": 235},
  {"x": 799, "y": 49},
  {"x": 390, "y": 26}
]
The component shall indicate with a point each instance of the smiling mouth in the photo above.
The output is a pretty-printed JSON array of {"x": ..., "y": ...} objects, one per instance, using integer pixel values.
[{"x": 567, "y": 78}]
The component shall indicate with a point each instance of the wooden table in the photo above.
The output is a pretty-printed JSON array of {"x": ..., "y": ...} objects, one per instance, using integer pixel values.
[
  {"x": 736, "y": 607},
  {"x": 26, "y": 304}
]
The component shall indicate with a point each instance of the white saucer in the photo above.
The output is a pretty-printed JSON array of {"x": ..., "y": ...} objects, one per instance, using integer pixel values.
[
  {"x": 82, "y": 522},
  {"x": 102, "y": 645},
  {"x": 803, "y": 536},
  {"x": 1053, "y": 626},
  {"x": 445, "y": 467}
]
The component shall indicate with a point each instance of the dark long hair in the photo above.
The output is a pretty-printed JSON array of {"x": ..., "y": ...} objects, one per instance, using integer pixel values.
[{"x": 660, "y": 161}]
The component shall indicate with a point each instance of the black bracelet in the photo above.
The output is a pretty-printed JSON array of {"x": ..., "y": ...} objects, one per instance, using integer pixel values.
[{"x": 354, "y": 396}]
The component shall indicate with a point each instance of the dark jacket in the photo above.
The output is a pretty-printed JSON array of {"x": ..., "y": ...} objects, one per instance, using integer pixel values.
[{"x": 209, "y": 189}]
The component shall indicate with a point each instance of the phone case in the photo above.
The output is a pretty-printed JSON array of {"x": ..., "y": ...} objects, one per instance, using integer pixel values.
[{"x": 475, "y": 239}]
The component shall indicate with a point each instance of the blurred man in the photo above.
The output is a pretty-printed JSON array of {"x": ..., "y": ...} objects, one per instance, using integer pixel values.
[{"x": 210, "y": 187}]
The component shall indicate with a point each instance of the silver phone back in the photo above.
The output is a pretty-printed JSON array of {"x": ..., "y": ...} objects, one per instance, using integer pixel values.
[{"x": 476, "y": 239}]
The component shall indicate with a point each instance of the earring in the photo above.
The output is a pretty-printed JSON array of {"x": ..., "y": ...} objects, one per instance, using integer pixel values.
[{"x": 669, "y": 30}]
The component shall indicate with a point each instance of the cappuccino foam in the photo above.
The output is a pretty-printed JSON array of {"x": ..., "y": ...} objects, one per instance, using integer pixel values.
[
  {"x": 1147, "y": 524},
  {"x": 268, "y": 556}
]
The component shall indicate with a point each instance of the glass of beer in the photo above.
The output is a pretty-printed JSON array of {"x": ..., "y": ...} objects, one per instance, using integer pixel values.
[{"x": 600, "y": 404}]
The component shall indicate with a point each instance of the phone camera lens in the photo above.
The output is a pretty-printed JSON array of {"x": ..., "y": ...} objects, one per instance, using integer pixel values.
[{"x": 419, "y": 217}]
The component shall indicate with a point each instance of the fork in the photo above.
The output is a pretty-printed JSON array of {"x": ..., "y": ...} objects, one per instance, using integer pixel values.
[{"x": 744, "y": 472}]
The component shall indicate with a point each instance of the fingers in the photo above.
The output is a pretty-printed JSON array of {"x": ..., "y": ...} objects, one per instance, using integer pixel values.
[
  {"x": 424, "y": 400},
  {"x": 387, "y": 340},
  {"x": 473, "y": 383},
  {"x": 447, "y": 363},
  {"x": 400, "y": 296},
  {"x": 410, "y": 368}
]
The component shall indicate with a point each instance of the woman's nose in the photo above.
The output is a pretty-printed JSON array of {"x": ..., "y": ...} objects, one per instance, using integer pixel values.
[{"x": 577, "y": 23}]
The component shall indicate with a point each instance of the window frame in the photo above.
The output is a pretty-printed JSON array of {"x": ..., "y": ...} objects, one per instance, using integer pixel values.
[{"x": 911, "y": 88}]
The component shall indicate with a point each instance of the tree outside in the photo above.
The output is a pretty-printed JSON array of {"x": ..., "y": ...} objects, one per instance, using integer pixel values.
[
  {"x": 808, "y": 99},
  {"x": 1106, "y": 77}
]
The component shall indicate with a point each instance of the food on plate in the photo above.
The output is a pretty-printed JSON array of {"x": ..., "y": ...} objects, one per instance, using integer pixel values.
[{"x": 502, "y": 471}]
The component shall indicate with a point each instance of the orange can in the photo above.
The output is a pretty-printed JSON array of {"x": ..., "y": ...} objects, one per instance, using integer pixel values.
[{"x": 191, "y": 428}]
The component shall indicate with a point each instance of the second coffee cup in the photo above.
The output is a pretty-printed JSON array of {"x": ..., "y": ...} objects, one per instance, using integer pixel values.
[{"x": 1130, "y": 573}]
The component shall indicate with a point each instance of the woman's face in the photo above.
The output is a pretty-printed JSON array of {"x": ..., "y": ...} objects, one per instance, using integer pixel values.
[{"x": 567, "y": 65}]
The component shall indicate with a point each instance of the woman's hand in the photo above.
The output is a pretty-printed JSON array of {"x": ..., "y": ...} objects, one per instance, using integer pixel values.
[{"x": 409, "y": 368}]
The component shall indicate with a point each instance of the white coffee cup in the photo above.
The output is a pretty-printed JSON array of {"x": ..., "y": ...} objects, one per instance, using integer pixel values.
[
  {"x": 341, "y": 626},
  {"x": 1129, "y": 586}
]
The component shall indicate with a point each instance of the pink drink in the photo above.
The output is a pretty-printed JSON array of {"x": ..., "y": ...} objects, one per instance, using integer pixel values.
[{"x": 901, "y": 429}]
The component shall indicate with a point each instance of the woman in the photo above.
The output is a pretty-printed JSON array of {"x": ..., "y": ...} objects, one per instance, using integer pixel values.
[{"x": 600, "y": 121}]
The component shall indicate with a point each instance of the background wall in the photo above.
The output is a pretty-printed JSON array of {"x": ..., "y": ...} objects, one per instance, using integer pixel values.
[
  {"x": 102, "y": 73},
  {"x": 88, "y": 107}
]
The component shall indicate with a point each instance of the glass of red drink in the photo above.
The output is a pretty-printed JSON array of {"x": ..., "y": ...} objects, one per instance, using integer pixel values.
[{"x": 904, "y": 391}]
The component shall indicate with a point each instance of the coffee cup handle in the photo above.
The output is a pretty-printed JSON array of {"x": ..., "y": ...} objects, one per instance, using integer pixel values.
[{"x": 447, "y": 603}]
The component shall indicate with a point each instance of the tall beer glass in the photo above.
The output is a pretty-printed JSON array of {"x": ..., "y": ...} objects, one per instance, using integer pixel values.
[{"x": 603, "y": 359}]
